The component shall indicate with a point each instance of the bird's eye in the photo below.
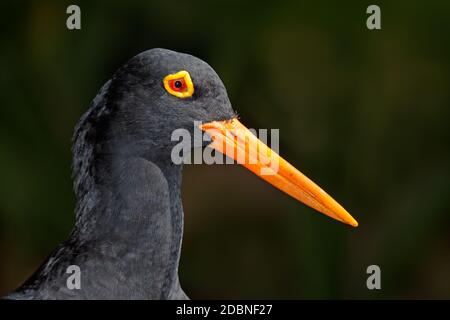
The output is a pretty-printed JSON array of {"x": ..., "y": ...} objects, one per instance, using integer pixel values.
[{"x": 179, "y": 84}]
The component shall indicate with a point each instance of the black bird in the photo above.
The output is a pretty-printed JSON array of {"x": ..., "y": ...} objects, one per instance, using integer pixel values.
[{"x": 129, "y": 217}]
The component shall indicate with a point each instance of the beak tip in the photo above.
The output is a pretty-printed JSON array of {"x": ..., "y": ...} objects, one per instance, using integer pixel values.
[{"x": 353, "y": 223}]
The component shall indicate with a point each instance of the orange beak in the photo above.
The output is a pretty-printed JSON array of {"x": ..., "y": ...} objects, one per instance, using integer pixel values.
[{"x": 233, "y": 139}]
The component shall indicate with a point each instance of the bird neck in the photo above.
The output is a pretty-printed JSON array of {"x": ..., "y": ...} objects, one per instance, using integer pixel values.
[{"x": 133, "y": 212}]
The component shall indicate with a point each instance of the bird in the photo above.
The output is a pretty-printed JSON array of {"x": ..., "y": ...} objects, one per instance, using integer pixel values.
[{"x": 128, "y": 229}]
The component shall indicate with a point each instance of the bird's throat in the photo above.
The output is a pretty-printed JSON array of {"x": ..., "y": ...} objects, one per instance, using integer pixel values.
[{"x": 135, "y": 221}]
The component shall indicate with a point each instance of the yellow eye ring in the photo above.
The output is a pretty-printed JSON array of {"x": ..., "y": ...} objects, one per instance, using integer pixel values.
[{"x": 179, "y": 84}]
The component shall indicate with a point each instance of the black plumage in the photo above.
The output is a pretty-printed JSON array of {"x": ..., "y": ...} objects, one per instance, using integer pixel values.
[{"x": 129, "y": 216}]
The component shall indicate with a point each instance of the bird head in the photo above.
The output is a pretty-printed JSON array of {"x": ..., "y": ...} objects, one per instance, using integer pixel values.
[{"x": 159, "y": 91}]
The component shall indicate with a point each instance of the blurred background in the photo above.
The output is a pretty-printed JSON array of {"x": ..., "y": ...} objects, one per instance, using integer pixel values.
[{"x": 363, "y": 113}]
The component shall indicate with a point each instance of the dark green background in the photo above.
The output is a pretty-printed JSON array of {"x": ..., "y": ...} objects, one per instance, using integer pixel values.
[{"x": 363, "y": 113}]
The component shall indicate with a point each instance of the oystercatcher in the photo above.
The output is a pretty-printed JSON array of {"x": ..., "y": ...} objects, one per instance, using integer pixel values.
[{"x": 127, "y": 236}]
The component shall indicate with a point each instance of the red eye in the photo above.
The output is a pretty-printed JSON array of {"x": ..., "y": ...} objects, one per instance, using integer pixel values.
[{"x": 178, "y": 85}]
